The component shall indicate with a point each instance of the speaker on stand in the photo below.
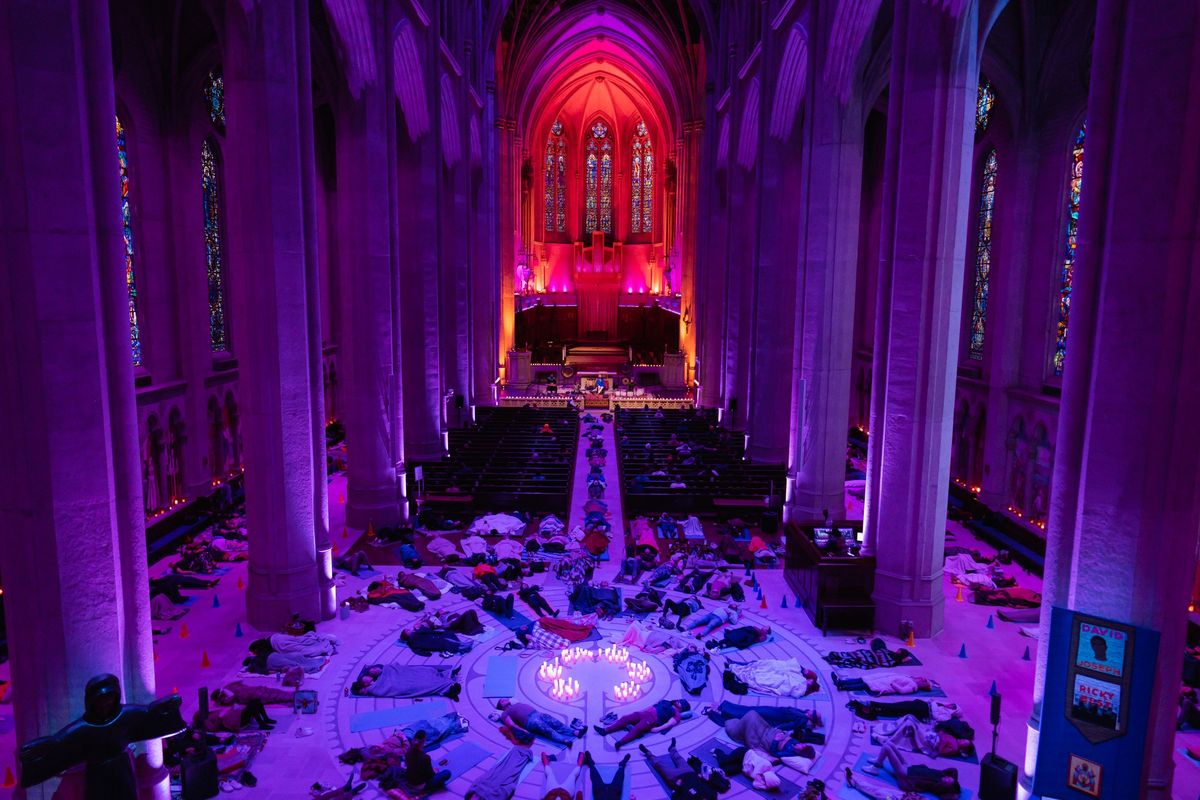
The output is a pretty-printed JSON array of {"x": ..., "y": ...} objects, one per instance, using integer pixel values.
[{"x": 997, "y": 775}]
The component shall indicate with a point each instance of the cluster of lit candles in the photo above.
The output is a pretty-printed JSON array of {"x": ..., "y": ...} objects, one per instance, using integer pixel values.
[
  {"x": 564, "y": 689},
  {"x": 571, "y": 656},
  {"x": 614, "y": 654},
  {"x": 639, "y": 671},
  {"x": 626, "y": 690},
  {"x": 550, "y": 670}
]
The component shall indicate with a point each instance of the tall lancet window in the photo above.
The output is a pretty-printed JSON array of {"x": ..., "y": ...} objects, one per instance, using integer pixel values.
[
  {"x": 983, "y": 256},
  {"x": 983, "y": 105},
  {"x": 1074, "y": 185},
  {"x": 135, "y": 333},
  {"x": 218, "y": 332},
  {"x": 598, "y": 180},
  {"x": 214, "y": 98},
  {"x": 642, "y": 182},
  {"x": 555, "y": 191}
]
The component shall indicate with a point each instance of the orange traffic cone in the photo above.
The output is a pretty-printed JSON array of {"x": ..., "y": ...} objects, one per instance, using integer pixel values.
[
  {"x": 912, "y": 640},
  {"x": 370, "y": 530},
  {"x": 333, "y": 547},
  {"x": 204, "y": 662},
  {"x": 241, "y": 582},
  {"x": 342, "y": 499},
  {"x": 183, "y": 633},
  {"x": 763, "y": 603},
  {"x": 958, "y": 598},
  {"x": 345, "y": 532},
  {"x": 10, "y": 780}
]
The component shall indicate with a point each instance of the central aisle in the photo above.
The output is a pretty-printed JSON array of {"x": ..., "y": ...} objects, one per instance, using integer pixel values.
[{"x": 612, "y": 494}]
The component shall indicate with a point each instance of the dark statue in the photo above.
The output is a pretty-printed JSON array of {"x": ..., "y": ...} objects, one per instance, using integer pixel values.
[{"x": 100, "y": 739}]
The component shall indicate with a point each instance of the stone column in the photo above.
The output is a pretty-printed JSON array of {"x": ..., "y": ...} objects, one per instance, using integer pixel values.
[
  {"x": 932, "y": 93},
  {"x": 364, "y": 174},
  {"x": 73, "y": 551},
  {"x": 270, "y": 253},
  {"x": 824, "y": 337},
  {"x": 509, "y": 195},
  {"x": 686, "y": 239},
  {"x": 775, "y": 274},
  {"x": 1124, "y": 510}
]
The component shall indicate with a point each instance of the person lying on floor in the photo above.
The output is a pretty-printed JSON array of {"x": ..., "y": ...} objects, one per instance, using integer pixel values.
[
  {"x": 875, "y": 790},
  {"x": 240, "y": 693},
  {"x": 234, "y": 719},
  {"x": 883, "y": 683},
  {"x": 915, "y": 777},
  {"x": 352, "y": 563},
  {"x": 602, "y": 600},
  {"x": 644, "y": 602},
  {"x": 419, "y": 583},
  {"x": 601, "y": 789},
  {"x": 486, "y": 574},
  {"x": 954, "y": 738},
  {"x": 555, "y": 633},
  {"x": 694, "y": 581},
  {"x": 418, "y": 772},
  {"x": 876, "y": 657},
  {"x": 524, "y": 718},
  {"x": 702, "y": 623},
  {"x": 169, "y": 586},
  {"x": 802, "y": 722},
  {"x": 756, "y": 765},
  {"x": 740, "y": 638},
  {"x": 758, "y": 548},
  {"x": 225, "y": 549},
  {"x": 265, "y": 659},
  {"x": 661, "y": 576},
  {"x": 784, "y": 677},
  {"x": 532, "y": 595},
  {"x": 1015, "y": 597},
  {"x": 651, "y": 640},
  {"x": 570, "y": 787},
  {"x": 466, "y": 623},
  {"x": 752, "y": 730},
  {"x": 722, "y": 585},
  {"x": 680, "y": 777},
  {"x": 658, "y": 718},
  {"x": 385, "y": 592},
  {"x": 427, "y": 641},
  {"x": 922, "y": 710},
  {"x": 407, "y": 680},
  {"x": 195, "y": 557},
  {"x": 682, "y": 609}
]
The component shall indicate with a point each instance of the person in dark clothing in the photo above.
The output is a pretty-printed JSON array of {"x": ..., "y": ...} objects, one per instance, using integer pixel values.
[
  {"x": 679, "y": 776},
  {"x": 532, "y": 595},
  {"x": 170, "y": 584},
  {"x": 418, "y": 767},
  {"x": 916, "y": 777},
  {"x": 874, "y": 709},
  {"x": 427, "y": 641},
  {"x": 681, "y": 608},
  {"x": 660, "y": 717},
  {"x": 613, "y": 790},
  {"x": 739, "y": 638}
]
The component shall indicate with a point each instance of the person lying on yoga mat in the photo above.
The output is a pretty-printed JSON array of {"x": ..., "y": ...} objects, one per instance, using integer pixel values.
[
  {"x": 684, "y": 782},
  {"x": 1013, "y": 598},
  {"x": 242, "y": 693},
  {"x": 924, "y": 711},
  {"x": 602, "y": 790},
  {"x": 169, "y": 586},
  {"x": 466, "y": 623},
  {"x": 524, "y": 717},
  {"x": 702, "y": 623},
  {"x": 532, "y": 595},
  {"x": 874, "y": 658},
  {"x": 408, "y": 680},
  {"x": 384, "y": 591},
  {"x": 723, "y": 585},
  {"x": 644, "y": 602},
  {"x": 915, "y": 777},
  {"x": 352, "y": 563},
  {"x": 266, "y": 657},
  {"x": 427, "y": 641},
  {"x": 876, "y": 790},
  {"x": 234, "y": 718},
  {"x": 659, "y": 718},
  {"x": 651, "y": 640},
  {"x": 802, "y": 722},
  {"x": 740, "y": 638},
  {"x": 754, "y": 731},
  {"x": 568, "y": 788},
  {"x": 952, "y": 738},
  {"x": 883, "y": 683}
]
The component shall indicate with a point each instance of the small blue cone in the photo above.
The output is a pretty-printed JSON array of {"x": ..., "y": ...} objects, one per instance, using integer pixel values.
[
  {"x": 238, "y": 631},
  {"x": 1026, "y": 656},
  {"x": 962, "y": 651},
  {"x": 216, "y": 601},
  {"x": 992, "y": 691},
  {"x": 991, "y": 622},
  {"x": 783, "y": 602},
  {"x": 797, "y": 603}
]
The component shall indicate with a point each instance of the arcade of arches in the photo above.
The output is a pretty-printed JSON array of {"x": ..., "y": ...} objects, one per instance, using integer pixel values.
[{"x": 794, "y": 319}]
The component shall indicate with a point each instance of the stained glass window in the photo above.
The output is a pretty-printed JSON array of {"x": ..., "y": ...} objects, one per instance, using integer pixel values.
[
  {"x": 554, "y": 181},
  {"x": 642, "y": 182},
  {"x": 1074, "y": 185},
  {"x": 598, "y": 181},
  {"x": 983, "y": 105},
  {"x": 135, "y": 333},
  {"x": 217, "y": 331},
  {"x": 214, "y": 95},
  {"x": 983, "y": 256}
]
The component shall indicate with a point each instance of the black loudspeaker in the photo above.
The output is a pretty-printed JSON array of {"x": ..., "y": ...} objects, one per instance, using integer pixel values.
[
  {"x": 199, "y": 776},
  {"x": 996, "y": 709},
  {"x": 997, "y": 778},
  {"x": 458, "y": 401}
]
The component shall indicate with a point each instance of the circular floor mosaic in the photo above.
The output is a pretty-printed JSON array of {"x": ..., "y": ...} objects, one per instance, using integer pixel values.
[{"x": 595, "y": 700}]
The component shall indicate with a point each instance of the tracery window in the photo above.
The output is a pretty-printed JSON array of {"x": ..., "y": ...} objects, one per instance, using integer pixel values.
[
  {"x": 135, "y": 333},
  {"x": 214, "y": 96},
  {"x": 555, "y": 181},
  {"x": 983, "y": 105},
  {"x": 642, "y": 182},
  {"x": 1067, "y": 274},
  {"x": 983, "y": 256},
  {"x": 598, "y": 180},
  {"x": 210, "y": 180}
]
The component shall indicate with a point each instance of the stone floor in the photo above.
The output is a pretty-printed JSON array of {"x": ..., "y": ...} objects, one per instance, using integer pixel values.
[{"x": 291, "y": 762}]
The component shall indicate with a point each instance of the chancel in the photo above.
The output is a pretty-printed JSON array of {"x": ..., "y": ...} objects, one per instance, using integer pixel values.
[{"x": 612, "y": 399}]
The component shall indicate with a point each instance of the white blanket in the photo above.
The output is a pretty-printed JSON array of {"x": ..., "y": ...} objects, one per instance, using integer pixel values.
[
  {"x": 505, "y": 524},
  {"x": 783, "y": 677}
]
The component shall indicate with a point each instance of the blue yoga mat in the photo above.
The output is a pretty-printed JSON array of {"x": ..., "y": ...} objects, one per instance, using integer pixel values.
[
  {"x": 932, "y": 693},
  {"x": 462, "y": 758},
  {"x": 501, "y": 679},
  {"x": 885, "y": 776},
  {"x": 400, "y": 715},
  {"x": 518, "y": 620}
]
